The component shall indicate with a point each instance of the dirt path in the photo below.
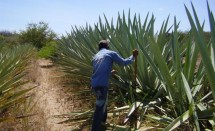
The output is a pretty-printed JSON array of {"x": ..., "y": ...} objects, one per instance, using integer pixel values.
[{"x": 50, "y": 98}]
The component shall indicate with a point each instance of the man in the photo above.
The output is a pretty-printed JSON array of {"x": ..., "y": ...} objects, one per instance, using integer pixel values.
[{"x": 102, "y": 66}]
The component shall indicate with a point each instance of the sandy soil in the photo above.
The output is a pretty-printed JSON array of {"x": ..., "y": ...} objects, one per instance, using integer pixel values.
[{"x": 50, "y": 98}]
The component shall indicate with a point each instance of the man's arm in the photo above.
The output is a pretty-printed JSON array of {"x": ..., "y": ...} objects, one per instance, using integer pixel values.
[{"x": 121, "y": 61}]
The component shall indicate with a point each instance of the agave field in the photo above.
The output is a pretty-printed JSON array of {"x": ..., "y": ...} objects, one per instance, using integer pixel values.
[
  {"x": 175, "y": 86},
  {"x": 13, "y": 64},
  {"x": 172, "y": 88}
]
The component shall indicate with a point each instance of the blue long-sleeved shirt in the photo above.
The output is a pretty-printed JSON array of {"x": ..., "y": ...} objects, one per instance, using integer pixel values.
[{"x": 102, "y": 66}]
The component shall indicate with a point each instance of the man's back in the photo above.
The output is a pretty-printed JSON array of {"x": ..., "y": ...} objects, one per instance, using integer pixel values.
[{"x": 102, "y": 66}]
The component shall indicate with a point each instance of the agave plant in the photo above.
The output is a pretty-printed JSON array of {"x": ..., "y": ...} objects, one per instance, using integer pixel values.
[
  {"x": 173, "y": 69},
  {"x": 13, "y": 62}
]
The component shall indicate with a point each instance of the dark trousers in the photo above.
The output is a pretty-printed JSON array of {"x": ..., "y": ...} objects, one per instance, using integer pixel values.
[{"x": 100, "y": 114}]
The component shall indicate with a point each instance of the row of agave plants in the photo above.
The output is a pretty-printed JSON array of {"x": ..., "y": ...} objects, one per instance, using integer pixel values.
[
  {"x": 13, "y": 64},
  {"x": 175, "y": 77}
]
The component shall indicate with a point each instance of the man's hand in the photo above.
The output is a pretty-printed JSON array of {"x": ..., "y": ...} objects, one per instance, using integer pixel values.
[{"x": 135, "y": 52}]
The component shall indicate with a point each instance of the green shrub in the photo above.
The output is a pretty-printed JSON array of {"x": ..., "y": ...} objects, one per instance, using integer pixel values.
[
  {"x": 48, "y": 51},
  {"x": 37, "y": 35}
]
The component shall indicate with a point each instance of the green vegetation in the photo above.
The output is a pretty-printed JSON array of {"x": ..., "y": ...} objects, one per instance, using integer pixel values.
[
  {"x": 16, "y": 54},
  {"x": 175, "y": 78},
  {"x": 48, "y": 50},
  {"x": 175, "y": 86},
  {"x": 13, "y": 62},
  {"x": 37, "y": 34},
  {"x": 9, "y": 39}
]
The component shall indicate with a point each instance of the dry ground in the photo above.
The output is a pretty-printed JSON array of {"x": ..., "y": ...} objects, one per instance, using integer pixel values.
[{"x": 49, "y": 99}]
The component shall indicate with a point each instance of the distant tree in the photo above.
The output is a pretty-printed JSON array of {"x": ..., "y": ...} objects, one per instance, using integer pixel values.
[
  {"x": 9, "y": 39},
  {"x": 6, "y": 33},
  {"x": 37, "y": 34}
]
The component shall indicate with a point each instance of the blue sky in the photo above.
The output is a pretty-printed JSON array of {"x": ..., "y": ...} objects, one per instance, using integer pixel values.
[{"x": 61, "y": 15}]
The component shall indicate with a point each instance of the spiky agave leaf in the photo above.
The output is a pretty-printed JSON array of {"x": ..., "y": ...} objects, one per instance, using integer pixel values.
[{"x": 13, "y": 62}]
